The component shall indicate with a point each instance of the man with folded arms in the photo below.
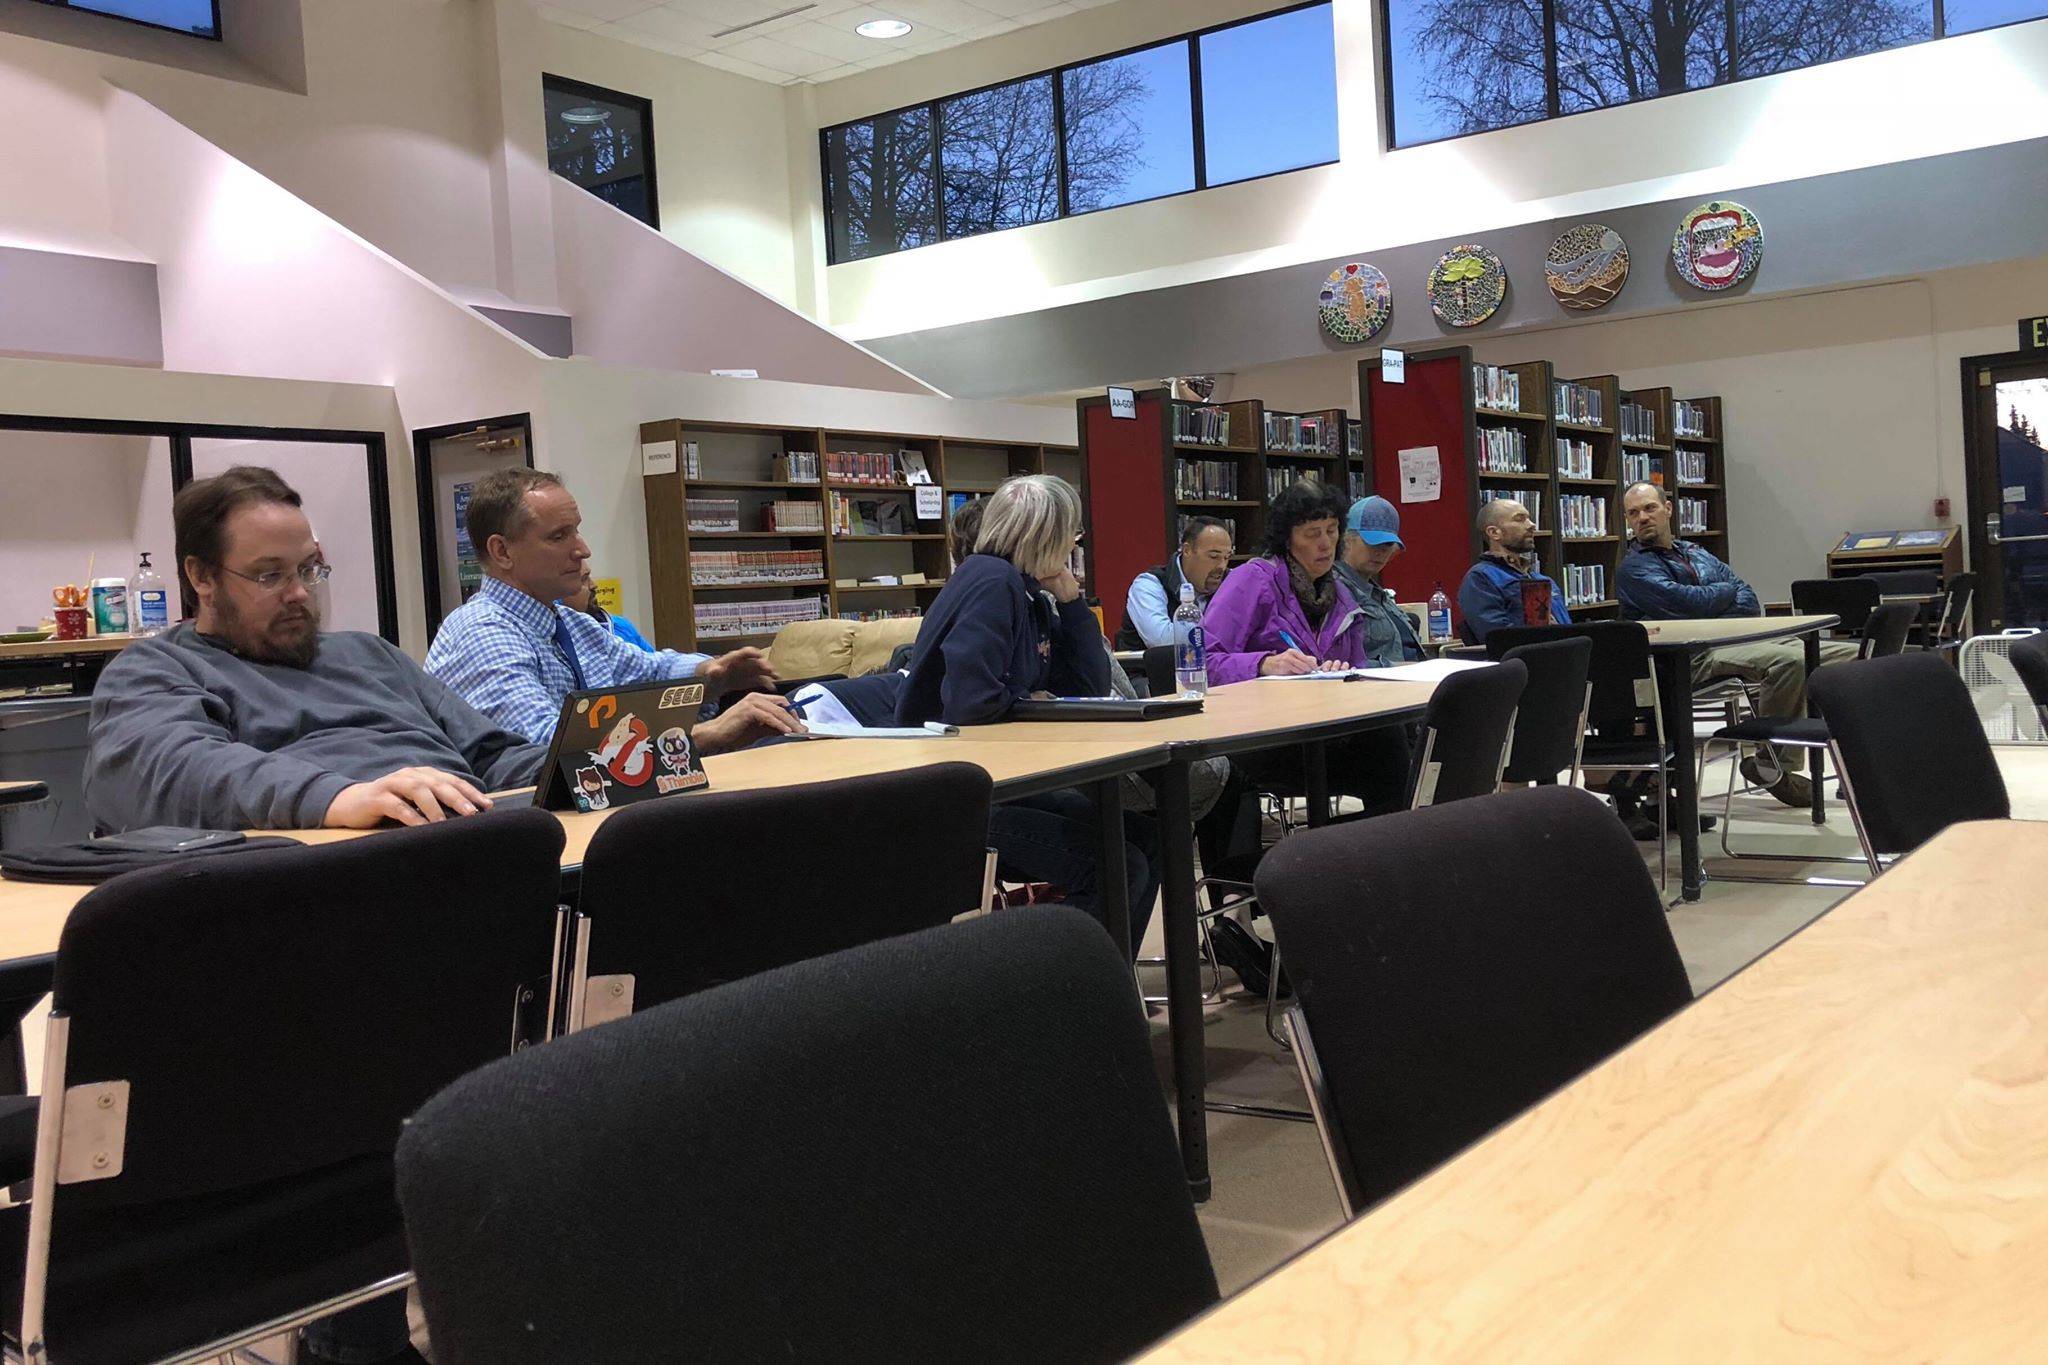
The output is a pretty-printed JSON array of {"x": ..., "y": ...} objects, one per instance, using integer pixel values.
[
  {"x": 514, "y": 651},
  {"x": 1664, "y": 578}
]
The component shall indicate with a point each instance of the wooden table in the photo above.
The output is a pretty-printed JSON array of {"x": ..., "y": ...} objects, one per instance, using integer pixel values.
[
  {"x": 54, "y": 648},
  {"x": 1841, "y": 1153},
  {"x": 1673, "y": 645},
  {"x": 18, "y": 793}
]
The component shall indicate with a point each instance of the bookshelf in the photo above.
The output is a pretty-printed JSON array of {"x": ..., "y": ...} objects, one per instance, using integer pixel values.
[
  {"x": 1586, "y": 452},
  {"x": 1698, "y": 473},
  {"x": 742, "y": 538}
]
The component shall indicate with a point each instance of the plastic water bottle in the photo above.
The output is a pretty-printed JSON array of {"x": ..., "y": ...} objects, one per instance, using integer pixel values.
[
  {"x": 1439, "y": 615},
  {"x": 150, "y": 599},
  {"x": 1190, "y": 647}
]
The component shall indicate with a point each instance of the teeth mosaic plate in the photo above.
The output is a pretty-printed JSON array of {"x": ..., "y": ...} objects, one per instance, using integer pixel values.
[{"x": 1717, "y": 245}]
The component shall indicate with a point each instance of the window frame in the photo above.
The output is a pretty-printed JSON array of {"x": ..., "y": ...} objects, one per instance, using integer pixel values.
[
  {"x": 1058, "y": 73},
  {"x": 218, "y": 35},
  {"x": 1383, "y": 18},
  {"x": 567, "y": 85}
]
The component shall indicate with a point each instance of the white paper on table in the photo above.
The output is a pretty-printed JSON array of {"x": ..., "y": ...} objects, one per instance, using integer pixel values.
[
  {"x": 1429, "y": 670},
  {"x": 836, "y": 729},
  {"x": 1422, "y": 474}
]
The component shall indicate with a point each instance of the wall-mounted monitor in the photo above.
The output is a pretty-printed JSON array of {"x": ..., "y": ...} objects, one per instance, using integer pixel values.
[{"x": 200, "y": 18}]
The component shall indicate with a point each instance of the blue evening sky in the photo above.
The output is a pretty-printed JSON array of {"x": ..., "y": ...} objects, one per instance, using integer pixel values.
[
  {"x": 1269, "y": 95},
  {"x": 191, "y": 16}
]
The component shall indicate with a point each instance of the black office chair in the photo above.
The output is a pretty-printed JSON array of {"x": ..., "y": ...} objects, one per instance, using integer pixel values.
[
  {"x": 1948, "y": 631},
  {"x": 2029, "y": 659},
  {"x": 689, "y": 893},
  {"x": 1885, "y": 627},
  {"x": 1849, "y": 598},
  {"x": 1550, "y": 719},
  {"x": 1910, "y": 749},
  {"x": 945, "y": 1146},
  {"x": 1430, "y": 1007},
  {"x": 234, "y": 1045},
  {"x": 1906, "y": 582},
  {"x": 1625, "y": 721},
  {"x": 1159, "y": 679},
  {"x": 23, "y": 984}
]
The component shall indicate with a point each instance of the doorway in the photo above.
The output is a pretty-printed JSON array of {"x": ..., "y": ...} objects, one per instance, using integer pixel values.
[
  {"x": 2005, "y": 456},
  {"x": 447, "y": 461}
]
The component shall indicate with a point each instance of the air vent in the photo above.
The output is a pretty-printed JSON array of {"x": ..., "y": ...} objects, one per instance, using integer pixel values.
[{"x": 765, "y": 19}]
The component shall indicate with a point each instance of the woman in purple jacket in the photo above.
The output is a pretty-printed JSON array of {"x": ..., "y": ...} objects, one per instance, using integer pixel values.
[{"x": 1288, "y": 612}]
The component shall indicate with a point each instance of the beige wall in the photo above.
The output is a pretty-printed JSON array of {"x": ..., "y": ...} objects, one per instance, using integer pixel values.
[
  {"x": 1968, "y": 91},
  {"x": 1841, "y": 408}
]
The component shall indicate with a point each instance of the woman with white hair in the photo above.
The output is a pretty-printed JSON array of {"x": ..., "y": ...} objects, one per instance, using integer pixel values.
[{"x": 1011, "y": 620}]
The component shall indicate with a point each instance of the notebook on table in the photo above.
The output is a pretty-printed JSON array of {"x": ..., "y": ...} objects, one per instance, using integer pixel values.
[{"x": 1104, "y": 708}]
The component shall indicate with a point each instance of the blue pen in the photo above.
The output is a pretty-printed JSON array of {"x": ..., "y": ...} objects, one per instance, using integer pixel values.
[{"x": 1288, "y": 640}]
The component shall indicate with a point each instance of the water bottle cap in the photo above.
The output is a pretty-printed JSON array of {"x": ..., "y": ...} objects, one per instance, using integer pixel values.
[
  {"x": 145, "y": 559},
  {"x": 1187, "y": 592}
]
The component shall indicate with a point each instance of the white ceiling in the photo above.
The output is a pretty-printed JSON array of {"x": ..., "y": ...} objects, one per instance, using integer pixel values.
[{"x": 786, "y": 41}]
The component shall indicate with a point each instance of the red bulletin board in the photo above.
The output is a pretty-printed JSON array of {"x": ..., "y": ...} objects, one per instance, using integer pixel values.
[
  {"x": 1428, "y": 410},
  {"x": 1127, "y": 531}
]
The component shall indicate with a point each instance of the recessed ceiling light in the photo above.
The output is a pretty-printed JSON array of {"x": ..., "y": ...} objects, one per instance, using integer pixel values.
[
  {"x": 882, "y": 28},
  {"x": 585, "y": 114}
]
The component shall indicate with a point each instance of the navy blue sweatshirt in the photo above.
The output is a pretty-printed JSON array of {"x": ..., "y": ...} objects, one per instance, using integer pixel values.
[{"x": 993, "y": 635}]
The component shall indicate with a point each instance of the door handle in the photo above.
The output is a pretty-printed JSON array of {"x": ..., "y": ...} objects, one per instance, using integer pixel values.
[{"x": 2016, "y": 540}]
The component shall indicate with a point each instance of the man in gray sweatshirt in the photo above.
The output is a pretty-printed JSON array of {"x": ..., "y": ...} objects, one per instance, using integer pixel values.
[{"x": 247, "y": 716}]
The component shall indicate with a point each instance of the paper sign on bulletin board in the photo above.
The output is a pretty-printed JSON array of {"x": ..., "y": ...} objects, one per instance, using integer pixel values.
[
  {"x": 606, "y": 595},
  {"x": 1422, "y": 474}
]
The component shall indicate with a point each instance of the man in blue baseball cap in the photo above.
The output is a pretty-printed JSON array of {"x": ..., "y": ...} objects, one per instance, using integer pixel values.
[{"x": 1372, "y": 537}]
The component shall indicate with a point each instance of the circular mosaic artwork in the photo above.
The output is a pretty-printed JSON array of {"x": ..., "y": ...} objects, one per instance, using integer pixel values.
[
  {"x": 1717, "y": 245},
  {"x": 1586, "y": 266},
  {"x": 1355, "y": 303},
  {"x": 1467, "y": 286}
]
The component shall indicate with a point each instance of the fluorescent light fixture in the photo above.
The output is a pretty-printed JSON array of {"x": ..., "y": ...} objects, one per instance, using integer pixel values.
[
  {"x": 882, "y": 28},
  {"x": 584, "y": 115}
]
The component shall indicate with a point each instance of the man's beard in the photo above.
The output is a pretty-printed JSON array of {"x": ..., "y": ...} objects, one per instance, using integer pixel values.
[{"x": 298, "y": 653}]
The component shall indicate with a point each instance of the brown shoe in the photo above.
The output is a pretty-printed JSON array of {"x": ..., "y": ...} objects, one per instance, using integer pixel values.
[{"x": 1791, "y": 789}]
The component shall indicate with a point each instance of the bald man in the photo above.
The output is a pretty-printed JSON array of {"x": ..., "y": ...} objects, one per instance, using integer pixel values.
[{"x": 1493, "y": 592}]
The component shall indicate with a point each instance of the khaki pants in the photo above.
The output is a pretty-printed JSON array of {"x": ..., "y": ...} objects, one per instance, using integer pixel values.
[{"x": 1778, "y": 667}]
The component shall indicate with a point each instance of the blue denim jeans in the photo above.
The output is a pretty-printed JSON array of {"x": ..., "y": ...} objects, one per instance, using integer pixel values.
[
  {"x": 362, "y": 1335},
  {"x": 1051, "y": 838}
]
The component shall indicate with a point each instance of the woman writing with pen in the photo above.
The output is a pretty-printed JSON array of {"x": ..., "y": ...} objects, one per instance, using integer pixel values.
[{"x": 1288, "y": 612}]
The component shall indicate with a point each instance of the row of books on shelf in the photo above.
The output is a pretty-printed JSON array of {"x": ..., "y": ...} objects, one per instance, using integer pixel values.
[
  {"x": 1205, "y": 480},
  {"x": 1354, "y": 439},
  {"x": 1529, "y": 497},
  {"x": 1638, "y": 423},
  {"x": 1584, "y": 584},
  {"x": 1574, "y": 458},
  {"x": 1278, "y": 481},
  {"x": 1287, "y": 434},
  {"x": 716, "y": 620},
  {"x": 1689, "y": 419},
  {"x": 795, "y": 466},
  {"x": 1581, "y": 403},
  {"x": 879, "y": 614},
  {"x": 871, "y": 466},
  {"x": 1201, "y": 426},
  {"x": 1692, "y": 466},
  {"x": 1496, "y": 387},
  {"x": 1181, "y": 527},
  {"x": 712, "y": 514},
  {"x": 1579, "y": 516},
  {"x": 1639, "y": 468},
  {"x": 1692, "y": 515},
  {"x": 868, "y": 516},
  {"x": 1503, "y": 450},
  {"x": 710, "y": 568},
  {"x": 793, "y": 516}
]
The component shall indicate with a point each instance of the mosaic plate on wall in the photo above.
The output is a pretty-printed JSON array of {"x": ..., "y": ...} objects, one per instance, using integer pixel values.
[
  {"x": 1586, "y": 266},
  {"x": 1717, "y": 245},
  {"x": 1356, "y": 302},
  {"x": 1467, "y": 286}
]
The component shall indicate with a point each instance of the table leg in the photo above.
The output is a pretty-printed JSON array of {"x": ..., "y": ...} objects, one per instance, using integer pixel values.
[
  {"x": 1820, "y": 756},
  {"x": 1674, "y": 690},
  {"x": 1183, "y": 973},
  {"x": 1112, "y": 886},
  {"x": 1315, "y": 768}
]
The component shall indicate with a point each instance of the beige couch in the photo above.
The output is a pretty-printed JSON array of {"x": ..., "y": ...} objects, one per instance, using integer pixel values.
[{"x": 818, "y": 649}]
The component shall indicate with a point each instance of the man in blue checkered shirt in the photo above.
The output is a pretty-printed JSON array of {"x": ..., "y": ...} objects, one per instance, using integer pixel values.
[{"x": 514, "y": 652}]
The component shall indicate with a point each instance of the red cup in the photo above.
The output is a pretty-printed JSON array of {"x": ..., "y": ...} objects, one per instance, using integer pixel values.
[{"x": 71, "y": 622}]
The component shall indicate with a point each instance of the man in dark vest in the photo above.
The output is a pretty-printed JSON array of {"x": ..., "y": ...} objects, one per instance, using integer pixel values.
[{"x": 1205, "y": 546}]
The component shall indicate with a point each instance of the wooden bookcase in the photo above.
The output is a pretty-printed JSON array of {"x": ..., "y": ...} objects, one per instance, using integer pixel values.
[
  {"x": 735, "y": 461},
  {"x": 1521, "y": 419},
  {"x": 1599, "y": 439},
  {"x": 1708, "y": 483}
]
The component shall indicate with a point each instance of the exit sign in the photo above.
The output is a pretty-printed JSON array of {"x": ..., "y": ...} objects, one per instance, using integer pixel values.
[{"x": 2034, "y": 334}]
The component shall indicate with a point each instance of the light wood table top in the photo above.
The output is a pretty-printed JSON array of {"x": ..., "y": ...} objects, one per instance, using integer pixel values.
[
  {"x": 1235, "y": 711},
  {"x": 92, "y": 644},
  {"x": 1840, "y": 1153},
  {"x": 20, "y": 791},
  {"x": 32, "y": 914},
  {"x": 1731, "y": 630}
]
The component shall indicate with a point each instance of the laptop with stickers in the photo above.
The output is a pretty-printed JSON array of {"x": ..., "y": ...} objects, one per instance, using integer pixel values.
[{"x": 616, "y": 746}]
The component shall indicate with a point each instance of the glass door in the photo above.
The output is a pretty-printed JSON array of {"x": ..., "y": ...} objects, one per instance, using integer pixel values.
[{"x": 2008, "y": 477}]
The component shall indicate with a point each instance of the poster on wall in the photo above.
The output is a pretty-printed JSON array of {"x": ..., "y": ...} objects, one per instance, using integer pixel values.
[
  {"x": 1586, "y": 266},
  {"x": 1355, "y": 302},
  {"x": 469, "y": 571},
  {"x": 1467, "y": 286},
  {"x": 1717, "y": 245}
]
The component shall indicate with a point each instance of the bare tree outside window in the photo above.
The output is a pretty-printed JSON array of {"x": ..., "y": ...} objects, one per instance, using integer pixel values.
[{"x": 1000, "y": 158}]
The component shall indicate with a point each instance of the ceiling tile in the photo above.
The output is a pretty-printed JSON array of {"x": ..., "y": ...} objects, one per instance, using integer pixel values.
[
  {"x": 642, "y": 38},
  {"x": 567, "y": 18},
  {"x": 673, "y": 25},
  {"x": 777, "y": 55},
  {"x": 1010, "y": 9},
  {"x": 831, "y": 40},
  {"x": 725, "y": 61},
  {"x": 944, "y": 16},
  {"x": 604, "y": 11}
]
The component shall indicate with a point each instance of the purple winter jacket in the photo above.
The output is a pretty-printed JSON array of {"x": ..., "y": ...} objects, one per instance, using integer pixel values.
[{"x": 1256, "y": 602}]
